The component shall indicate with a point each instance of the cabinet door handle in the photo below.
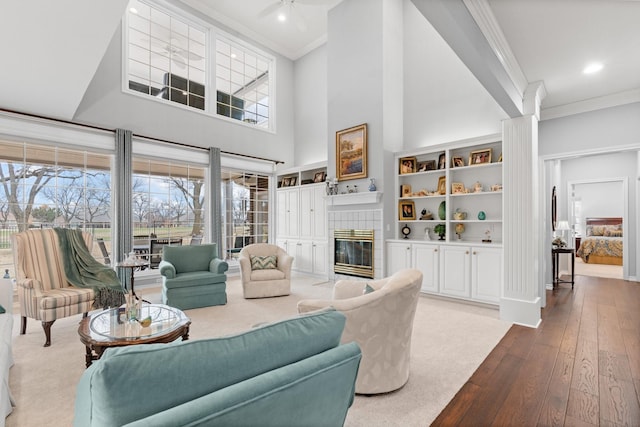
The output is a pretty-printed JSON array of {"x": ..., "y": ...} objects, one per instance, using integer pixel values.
[
  {"x": 475, "y": 253},
  {"x": 466, "y": 252},
  {"x": 435, "y": 250},
  {"x": 408, "y": 248}
]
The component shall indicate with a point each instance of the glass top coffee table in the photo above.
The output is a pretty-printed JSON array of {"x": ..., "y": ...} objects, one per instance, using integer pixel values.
[{"x": 111, "y": 328}]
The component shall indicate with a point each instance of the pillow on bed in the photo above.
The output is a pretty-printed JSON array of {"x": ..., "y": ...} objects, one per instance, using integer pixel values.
[
  {"x": 613, "y": 231},
  {"x": 596, "y": 230}
]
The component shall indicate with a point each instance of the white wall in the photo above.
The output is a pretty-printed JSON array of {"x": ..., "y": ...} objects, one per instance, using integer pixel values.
[
  {"x": 310, "y": 107},
  {"x": 613, "y": 133},
  {"x": 105, "y": 105},
  {"x": 600, "y": 199},
  {"x": 432, "y": 72}
]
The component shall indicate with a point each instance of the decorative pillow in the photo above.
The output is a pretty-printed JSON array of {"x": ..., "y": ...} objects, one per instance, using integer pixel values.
[
  {"x": 598, "y": 230},
  {"x": 367, "y": 289},
  {"x": 268, "y": 262},
  {"x": 613, "y": 231}
]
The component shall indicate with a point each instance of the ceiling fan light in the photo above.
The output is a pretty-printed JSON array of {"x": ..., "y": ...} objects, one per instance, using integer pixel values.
[
  {"x": 592, "y": 68},
  {"x": 282, "y": 17}
]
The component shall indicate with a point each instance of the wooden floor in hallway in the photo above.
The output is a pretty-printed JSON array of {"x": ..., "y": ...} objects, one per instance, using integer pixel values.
[{"x": 581, "y": 367}]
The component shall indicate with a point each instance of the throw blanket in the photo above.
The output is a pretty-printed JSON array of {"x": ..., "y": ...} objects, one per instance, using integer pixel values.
[{"x": 84, "y": 271}]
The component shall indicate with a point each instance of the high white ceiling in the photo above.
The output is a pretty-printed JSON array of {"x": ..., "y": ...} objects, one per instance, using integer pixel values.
[
  {"x": 52, "y": 60},
  {"x": 304, "y": 30},
  {"x": 552, "y": 41}
]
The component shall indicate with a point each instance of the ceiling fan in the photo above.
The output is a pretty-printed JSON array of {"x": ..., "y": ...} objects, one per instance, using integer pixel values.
[
  {"x": 171, "y": 48},
  {"x": 287, "y": 10}
]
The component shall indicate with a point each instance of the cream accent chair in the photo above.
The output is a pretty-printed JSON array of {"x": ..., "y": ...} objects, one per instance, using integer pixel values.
[
  {"x": 265, "y": 283},
  {"x": 43, "y": 290},
  {"x": 381, "y": 322}
]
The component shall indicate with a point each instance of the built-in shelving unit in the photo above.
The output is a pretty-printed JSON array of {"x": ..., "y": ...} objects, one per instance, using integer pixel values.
[
  {"x": 459, "y": 178},
  {"x": 462, "y": 185}
]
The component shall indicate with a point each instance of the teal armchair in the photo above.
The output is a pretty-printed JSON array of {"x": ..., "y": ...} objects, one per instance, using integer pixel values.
[{"x": 193, "y": 276}]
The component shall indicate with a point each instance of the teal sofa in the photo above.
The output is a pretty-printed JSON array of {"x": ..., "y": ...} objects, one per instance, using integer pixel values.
[
  {"x": 193, "y": 276},
  {"x": 290, "y": 373}
]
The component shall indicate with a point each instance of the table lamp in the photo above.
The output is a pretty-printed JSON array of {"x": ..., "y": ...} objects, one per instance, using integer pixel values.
[{"x": 563, "y": 226}]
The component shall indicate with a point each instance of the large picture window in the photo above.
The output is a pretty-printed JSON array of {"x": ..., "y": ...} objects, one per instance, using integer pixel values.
[
  {"x": 43, "y": 186},
  {"x": 245, "y": 210}
]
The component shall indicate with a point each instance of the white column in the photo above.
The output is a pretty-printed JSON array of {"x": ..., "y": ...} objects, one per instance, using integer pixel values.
[{"x": 520, "y": 302}]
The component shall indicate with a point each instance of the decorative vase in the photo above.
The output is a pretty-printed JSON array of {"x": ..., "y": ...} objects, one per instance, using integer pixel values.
[
  {"x": 442, "y": 210},
  {"x": 372, "y": 185},
  {"x": 482, "y": 216}
]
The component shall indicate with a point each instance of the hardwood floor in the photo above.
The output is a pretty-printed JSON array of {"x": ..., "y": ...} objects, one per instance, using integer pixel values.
[{"x": 581, "y": 367}]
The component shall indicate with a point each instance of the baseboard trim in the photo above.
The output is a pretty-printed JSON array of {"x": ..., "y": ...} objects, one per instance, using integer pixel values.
[{"x": 521, "y": 312}]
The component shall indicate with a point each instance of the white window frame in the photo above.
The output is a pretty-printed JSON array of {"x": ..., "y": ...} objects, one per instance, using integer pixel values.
[{"x": 212, "y": 34}]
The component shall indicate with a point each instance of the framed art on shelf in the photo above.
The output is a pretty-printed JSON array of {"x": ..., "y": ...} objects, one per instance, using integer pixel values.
[
  {"x": 406, "y": 210},
  {"x": 351, "y": 153},
  {"x": 319, "y": 177},
  {"x": 457, "y": 162},
  {"x": 457, "y": 188},
  {"x": 442, "y": 185},
  {"x": 480, "y": 157},
  {"x": 429, "y": 165},
  {"x": 407, "y": 165},
  {"x": 405, "y": 190},
  {"x": 442, "y": 161}
]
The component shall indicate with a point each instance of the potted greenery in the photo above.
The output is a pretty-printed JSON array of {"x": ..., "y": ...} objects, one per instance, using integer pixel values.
[{"x": 440, "y": 230}]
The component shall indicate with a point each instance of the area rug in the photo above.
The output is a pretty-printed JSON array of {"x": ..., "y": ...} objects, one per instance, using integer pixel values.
[{"x": 450, "y": 340}]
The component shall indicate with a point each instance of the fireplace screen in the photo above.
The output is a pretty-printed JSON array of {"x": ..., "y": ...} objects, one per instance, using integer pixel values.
[{"x": 353, "y": 252}]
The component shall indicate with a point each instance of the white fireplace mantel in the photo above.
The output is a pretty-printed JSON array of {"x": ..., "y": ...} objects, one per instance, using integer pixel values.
[{"x": 363, "y": 198}]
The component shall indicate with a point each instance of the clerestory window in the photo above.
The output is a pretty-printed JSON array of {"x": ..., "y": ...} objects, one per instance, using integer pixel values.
[{"x": 167, "y": 56}]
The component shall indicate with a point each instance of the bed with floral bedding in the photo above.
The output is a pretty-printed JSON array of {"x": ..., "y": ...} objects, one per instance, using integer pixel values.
[{"x": 602, "y": 243}]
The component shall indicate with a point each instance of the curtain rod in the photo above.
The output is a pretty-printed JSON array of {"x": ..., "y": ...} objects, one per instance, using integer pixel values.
[{"x": 141, "y": 136}]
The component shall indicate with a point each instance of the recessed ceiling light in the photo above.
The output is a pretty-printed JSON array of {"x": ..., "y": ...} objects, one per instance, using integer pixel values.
[
  {"x": 133, "y": 10},
  {"x": 282, "y": 17},
  {"x": 233, "y": 55},
  {"x": 594, "y": 67}
]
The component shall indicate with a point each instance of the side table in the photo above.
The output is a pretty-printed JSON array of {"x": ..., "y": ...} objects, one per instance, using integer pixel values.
[
  {"x": 132, "y": 265},
  {"x": 555, "y": 254}
]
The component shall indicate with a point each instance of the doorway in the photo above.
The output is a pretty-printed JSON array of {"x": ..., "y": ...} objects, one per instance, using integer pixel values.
[{"x": 595, "y": 198}]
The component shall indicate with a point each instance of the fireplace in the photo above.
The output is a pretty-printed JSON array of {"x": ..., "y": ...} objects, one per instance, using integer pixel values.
[{"x": 353, "y": 254}]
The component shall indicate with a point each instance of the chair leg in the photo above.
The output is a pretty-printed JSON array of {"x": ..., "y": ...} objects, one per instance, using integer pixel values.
[
  {"x": 47, "y": 332},
  {"x": 23, "y": 326}
]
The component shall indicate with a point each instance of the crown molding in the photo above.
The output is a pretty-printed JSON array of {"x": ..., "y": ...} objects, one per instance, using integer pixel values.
[
  {"x": 607, "y": 101},
  {"x": 481, "y": 12}
]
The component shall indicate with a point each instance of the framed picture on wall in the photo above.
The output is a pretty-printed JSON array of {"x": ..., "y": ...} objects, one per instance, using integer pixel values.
[{"x": 351, "y": 153}]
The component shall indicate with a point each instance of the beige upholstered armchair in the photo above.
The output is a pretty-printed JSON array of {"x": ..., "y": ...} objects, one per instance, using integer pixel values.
[
  {"x": 43, "y": 290},
  {"x": 265, "y": 271},
  {"x": 380, "y": 317}
]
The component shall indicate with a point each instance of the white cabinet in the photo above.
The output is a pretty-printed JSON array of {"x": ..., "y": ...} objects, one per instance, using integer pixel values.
[
  {"x": 312, "y": 212},
  {"x": 486, "y": 274},
  {"x": 455, "y": 271},
  {"x": 425, "y": 257},
  {"x": 471, "y": 272},
  {"x": 302, "y": 226},
  {"x": 303, "y": 256},
  {"x": 398, "y": 256},
  {"x": 319, "y": 256},
  {"x": 288, "y": 217}
]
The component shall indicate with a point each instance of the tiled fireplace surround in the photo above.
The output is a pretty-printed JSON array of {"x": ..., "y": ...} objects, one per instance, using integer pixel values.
[{"x": 369, "y": 219}]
